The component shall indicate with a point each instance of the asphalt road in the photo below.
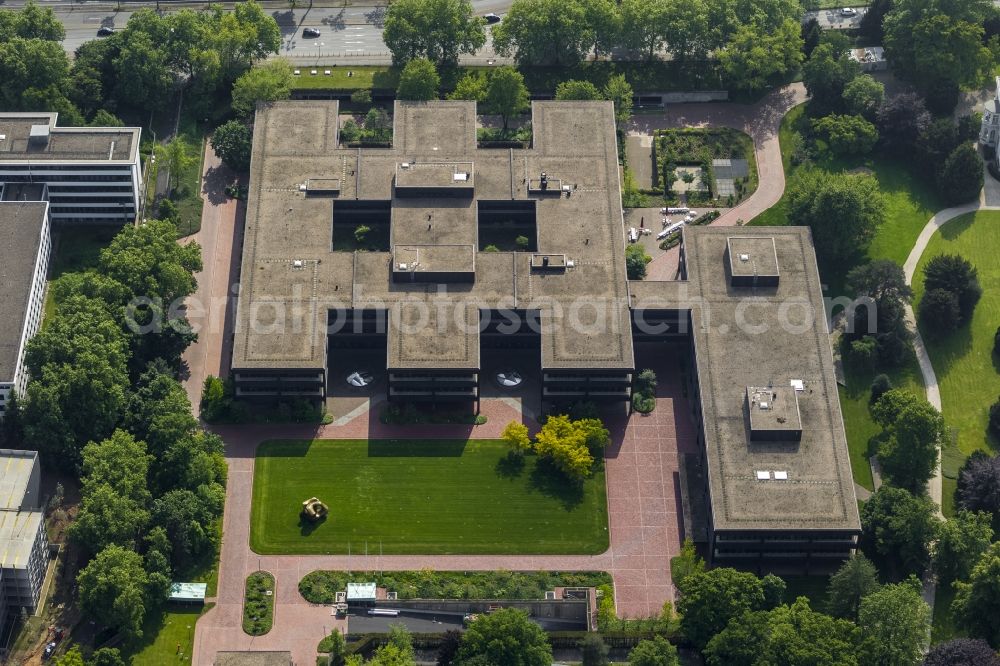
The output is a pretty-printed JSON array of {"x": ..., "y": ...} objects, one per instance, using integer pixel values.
[{"x": 344, "y": 32}]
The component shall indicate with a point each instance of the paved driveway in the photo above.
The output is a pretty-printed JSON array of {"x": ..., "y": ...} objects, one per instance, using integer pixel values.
[
  {"x": 643, "y": 503},
  {"x": 761, "y": 121}
]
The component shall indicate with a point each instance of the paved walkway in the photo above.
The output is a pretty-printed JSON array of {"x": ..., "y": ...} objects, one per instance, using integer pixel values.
[
  {"x": 761, "y": 121},
  {"x": 220, "y": 237},
  {"x": 643, "y": 505}
]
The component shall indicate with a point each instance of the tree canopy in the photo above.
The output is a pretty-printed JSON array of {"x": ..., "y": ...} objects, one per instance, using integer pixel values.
[
  {"x": 710, "y": 599},
  {"x": 912, "y": 433},
  {"x": 842, "y": 210},
  {"x": 854, "y": 580},
  {"x": 977, "y": 602},
  {"x": 113, "y": 589},
  {"x": 438, "y": 30},
  {"x": 900, "y": 526},
  {"x": 419, "y": 81},
  {"x": 506, "y": 94},
  {"x": 232, "y": 141},
  {"x": 961, "y": 541},
  {"x": 789, "y": 635},
  {"x": 894, "y": 624},
  {"x": 657, "y": 651},
  {"x": 269, "y": 82},
  {"x": 506, "y": 637}
]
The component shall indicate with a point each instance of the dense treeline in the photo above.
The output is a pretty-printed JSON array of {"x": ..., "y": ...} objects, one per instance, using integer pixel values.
[
  {"x": 104, "y": 402},
  {"x": 137, "y": 67}
]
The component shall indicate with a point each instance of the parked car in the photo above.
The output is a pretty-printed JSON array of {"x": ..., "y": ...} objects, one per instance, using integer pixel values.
[
  {"x": 311, "y": 33},
  {"x": 492, "y": 18},
  {"x": 105, "y": 31},
  {"x": 848, "y": 11},
  {"x": 49, "y": 649}
]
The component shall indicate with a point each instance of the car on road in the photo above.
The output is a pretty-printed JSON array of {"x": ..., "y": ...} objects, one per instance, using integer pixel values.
[
  {"x": 105, "y": 31},
  {"x": 492, "y": 18},
  {"x": 848, "y": 11},
  {"x": 49, "y": 649},
  {"x": 310, "y": 33}
]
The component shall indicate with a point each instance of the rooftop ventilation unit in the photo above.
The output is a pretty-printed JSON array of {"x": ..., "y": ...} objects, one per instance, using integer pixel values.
[
  {"x": 763, "y": 475},
  {"x": 39, "y": 135},
  {"x": 297, "y": 263},
  {"x": 744, "y": 257},
  {"x": 781, "y": 476}
]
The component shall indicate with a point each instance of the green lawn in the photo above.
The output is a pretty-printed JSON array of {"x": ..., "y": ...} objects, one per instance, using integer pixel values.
[
  {"x": 167, "y": 638},
  {"x": 421, "y": 496},
  {"x": 963, "y": 362}
]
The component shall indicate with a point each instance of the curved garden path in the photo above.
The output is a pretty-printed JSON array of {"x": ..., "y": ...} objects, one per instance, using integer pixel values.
[
  {"x": 989, "y": 199},
  {"x": 761, "y": 121}
]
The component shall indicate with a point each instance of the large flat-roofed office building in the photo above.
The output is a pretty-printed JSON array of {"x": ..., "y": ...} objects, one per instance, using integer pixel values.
[
  {"x": 775, "y": 480},
  {"x": 25, "y": 246},
  {"x": 777, "y": 477},
  {"x": 92, "y": 175},
  {"x": 23, "y": 543},
  {"x": 430, "y": 294}
]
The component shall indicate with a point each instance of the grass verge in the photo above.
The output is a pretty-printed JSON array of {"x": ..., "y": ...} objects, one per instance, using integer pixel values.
[
  {"x": 167, "y": 637},
  {"x": 421, "y": 496}
]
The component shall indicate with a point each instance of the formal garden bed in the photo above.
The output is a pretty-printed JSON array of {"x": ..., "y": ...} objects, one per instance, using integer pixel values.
[
  {"x": 405, "y": 496},
  {"x": 710, "y": 167},
  {"x": 320, "y": 587},
  {"x": 258, "y": 603}
]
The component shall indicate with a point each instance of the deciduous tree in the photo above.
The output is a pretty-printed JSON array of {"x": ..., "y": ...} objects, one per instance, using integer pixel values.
[
  {"x": 439, "y": 30},
  {"x": 977, "y": 602},
  {"x": 710, "y": 599},
  {"x": 544, "y": 32},
  {"x": 655, "y": 652},
  {"x": 506, "y": 94},
  {"x": 419, "y": 81},
  {"x": 843, "y": 211},
  {"x": 269, "y": 82},
  {"x": 894, "y": 624},
  {"x": 112, "y": 590},
  {"x": 232, "y": 141},
  {"x": 573, "y": 89},
  {"x": 961, "y": 542},
  {"x": 962, "y": 652},
  {"x": 855, "y": 579},
  {"x": 506, "y": 637},
  {"x": 900, "y": 527}
]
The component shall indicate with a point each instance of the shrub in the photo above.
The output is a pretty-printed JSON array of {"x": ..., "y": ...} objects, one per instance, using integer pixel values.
[
  {"x": 350, "y": 132},
  {"x": 362, "y": 96},
  {"x": 635, "y": 261},
  {"x": 643, "y": 403},
  {"x": 847, "y": 135},
  {"x": 522, "y": 242},
  {"x": 939, "y": 312},
  {"x": 880, "y": 385},
  {"x": 955, "y": 274},
  {"x": 491, "y": 248},
  {"x": 361, "y": 232},
  {"x": 864, "y": 351},
  {"x": 961, "y": 177}
]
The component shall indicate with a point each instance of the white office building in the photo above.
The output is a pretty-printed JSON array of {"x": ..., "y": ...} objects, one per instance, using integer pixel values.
[
  {"x": 25, "y": 246},
  {"x": 92, "y": 175},
  {"x": 23, "y": 543}
]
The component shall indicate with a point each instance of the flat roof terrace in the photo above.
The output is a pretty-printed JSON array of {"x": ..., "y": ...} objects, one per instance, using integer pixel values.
[
  {"x": 21, "y": 226},
  {"x": 35, "y": 137},
  {"x": 295, "y": 142}
]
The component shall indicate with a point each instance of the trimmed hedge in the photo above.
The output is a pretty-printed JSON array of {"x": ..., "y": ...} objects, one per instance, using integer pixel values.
[{"x": 320, "y": 587}]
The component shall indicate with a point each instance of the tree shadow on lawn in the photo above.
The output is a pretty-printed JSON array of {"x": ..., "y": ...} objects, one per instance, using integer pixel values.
[
  {"x": 510, "y": 466},
  {"x": 550, "y": 481},
  {"x": 424, "y": 448}
]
